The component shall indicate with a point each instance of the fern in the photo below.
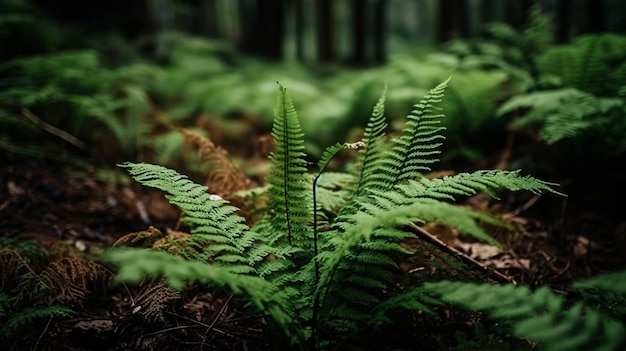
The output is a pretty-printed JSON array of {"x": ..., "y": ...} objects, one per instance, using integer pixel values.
[
  {"x": 212, "y": 219},
  {"x": 180, "y": 273},
  {"x": 592, "y": 63},
  {"x": 539, "y": 316},
  {"x": 615, "y": 282},
  {"x": 564, "y": 113},
  {"x": 606, "y": 292},
  {"x": 372, "y": 154},
  {"x": 323, "y": 281},
  {"x": 27, "y": 316},
  {"x": 289, "y": 205},
  {"x": 413, "y": 152}
]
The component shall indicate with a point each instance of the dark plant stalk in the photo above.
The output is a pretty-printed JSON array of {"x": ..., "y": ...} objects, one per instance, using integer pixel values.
[
  {"x": 316, "y": 301},
  {"x": 286, "y": 166}
]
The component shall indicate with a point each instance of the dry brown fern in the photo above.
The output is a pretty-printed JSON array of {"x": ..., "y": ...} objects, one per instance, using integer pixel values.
[
  {"x": 69, "y": 279},
  {"x": 224, "y": 177},
  {"x": 180, "y": 244},
  {"x": 17, "y": 276},
  {"x": 11, "y": 267},
  {"x": 145, "y": 238},
  {"x": 153, "y": 298}
]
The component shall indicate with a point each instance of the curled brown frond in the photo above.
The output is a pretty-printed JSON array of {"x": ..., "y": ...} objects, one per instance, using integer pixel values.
[
  {"x": 153, "y": 298},
  {"x": 180, "y": 244},
  {"x": 12, "y": 268},
  {"x": 145, "y": 238},
  {"x": 70, "y": 279},
  {"x": 224, "y": 177}
]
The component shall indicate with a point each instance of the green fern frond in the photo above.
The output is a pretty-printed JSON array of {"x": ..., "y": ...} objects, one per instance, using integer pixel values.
[
  {"x": 211, "y": 218},
  {"x": 414, "y": 151},
  {"x": 328, "y": 154},
  {"x": 373, "y": 140},
  {"x": 615, "y": 282},
  {"x": 415, "y": 298},
  {"x": 538, "y": 316},
  {"x": 288, "y": 205},
  {"x": 592, "y": 63},
  {"x": 136, "y": 264},
  {"x": 334, "y": 189},
  {"x": 606, "y": 292},
  {"x": 467, "y": 184},
  {"x": 28, "y": 315},
  {"x": 561, "y": 114}
]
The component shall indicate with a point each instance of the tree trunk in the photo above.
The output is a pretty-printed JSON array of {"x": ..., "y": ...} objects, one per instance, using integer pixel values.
[
  {"x": 562, "y": 18},
  {"x": 453, "y": 21},
  {"x": 263, "y": 33},
  {"x": 380, "y": 31},
  {"x": 326, "y": 43},
  {"x": 595, "y": 16},
  {"x": 359, "y": 33}
]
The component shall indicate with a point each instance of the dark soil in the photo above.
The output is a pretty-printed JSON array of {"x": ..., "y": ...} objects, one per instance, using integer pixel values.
[{"x": 78, "y": 209}]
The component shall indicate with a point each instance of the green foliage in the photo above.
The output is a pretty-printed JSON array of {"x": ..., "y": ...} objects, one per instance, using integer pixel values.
[
  {"x": 569, "y": 114},
  {"x": 180, "y": 272},
  {"x": 212, "y": 219},
  {"x": 606, "y": 292},
  {"x": 415, "y": 150},
  {"x": 31, "y": 252},
  {"x": 539, "y": 315},
  {"x": 337, "y": 281},
  {"x": 592, "y": 63},
  {"x": 288, "y": 203},
  {"x": 27, "y": 316},
  {"x": 74, "y": 92}
]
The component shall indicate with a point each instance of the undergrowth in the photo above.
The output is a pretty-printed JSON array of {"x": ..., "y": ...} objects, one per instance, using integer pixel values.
[{"x": 325, "y": 279}]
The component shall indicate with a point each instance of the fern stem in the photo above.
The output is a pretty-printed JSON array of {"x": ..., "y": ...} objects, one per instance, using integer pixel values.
[
  {"x": 432, "y": 239},
  {"x": 286, "y": 165}
]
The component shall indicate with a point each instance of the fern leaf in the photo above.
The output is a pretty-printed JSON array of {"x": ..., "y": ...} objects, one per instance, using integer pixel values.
[
  {"x": 137, "y": 264},
  {"x": 28, "y": 315},
  {"x": 208, "y": 216},
  {"x": 538, "y": 316},
  {"x": 413, "y": 152},
  {"x": 467, "y": 184},
  {"x": 373, "y": 139},
  {"x": 288, "y": 205},
  {"x": 415, "y": 298},
  {"x": 328, "y": 154},
  {"x": 615, "y": 282}
]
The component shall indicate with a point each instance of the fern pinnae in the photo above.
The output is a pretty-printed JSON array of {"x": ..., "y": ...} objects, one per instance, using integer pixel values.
[
  {"x": 372, "y": 138},
  {"x": 211, "y": 218},
  {"x": 537, "y": 316},
  {"x": 412, "y": 152},
  {"x": 288, "y": 196},
  {"x": 28, "y": 315}
]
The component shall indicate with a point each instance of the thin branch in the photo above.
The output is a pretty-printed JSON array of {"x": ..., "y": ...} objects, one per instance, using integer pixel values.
[
  {"x": 432, "y": 239},
  {"x": 45, "y": 330},
  {"x": 52, "y": 129}
]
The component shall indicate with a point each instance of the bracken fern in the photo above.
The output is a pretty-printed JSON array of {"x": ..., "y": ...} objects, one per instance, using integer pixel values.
[{"x": 322, "y": 285}]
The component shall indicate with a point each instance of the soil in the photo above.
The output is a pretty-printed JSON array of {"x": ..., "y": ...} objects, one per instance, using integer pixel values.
[{"x": 80, "y": 208}]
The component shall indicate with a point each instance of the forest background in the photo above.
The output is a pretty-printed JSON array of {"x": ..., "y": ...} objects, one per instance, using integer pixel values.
[{"x": 536, "y": 85}]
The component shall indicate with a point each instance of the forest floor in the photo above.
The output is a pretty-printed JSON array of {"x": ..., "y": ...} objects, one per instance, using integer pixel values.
[{"x": 75, "y": 209}]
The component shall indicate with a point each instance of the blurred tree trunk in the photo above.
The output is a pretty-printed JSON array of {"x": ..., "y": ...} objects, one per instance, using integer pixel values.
[
  {"x": 263, "y": 28},
  {"x": 595, "y": 16},
  {"x": 562, "y": 18},
  {"x": 452, "y": 21},
  {"x": 380, "y": 31},
  {"x": 359, "y": 33},
  {"x": 300, "y": 28},
  {"x": 486, "y": 11},
  {"x": 326, "y": 41},
  {"x": 518, "y": 12},
  {"x": 369, "y": 32}
]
